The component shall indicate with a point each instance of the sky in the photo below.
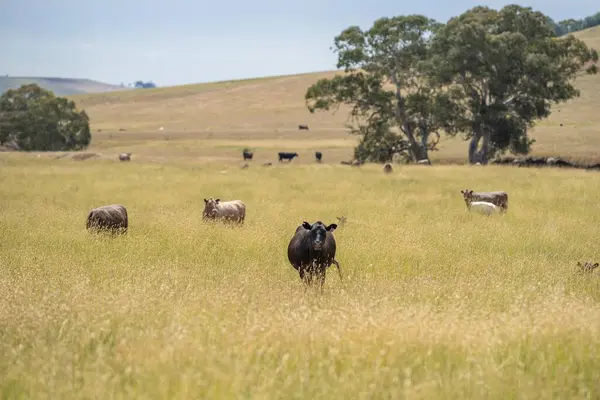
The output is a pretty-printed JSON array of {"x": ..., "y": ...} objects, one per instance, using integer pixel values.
[{"x": 191, "y": 41}]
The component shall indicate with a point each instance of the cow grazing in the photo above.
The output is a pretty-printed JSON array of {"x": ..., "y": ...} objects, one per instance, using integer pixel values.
[
  {"x": 312, "y": 250},
  {"x": 125, "y": 156},
  {"x": 303, "y": 127},
  {"x": 483, "y": 207},
  {"x": 227, "y": 211},
  {"x": 318, "y": 156},
  {"x": 287, "y": 156},
  {"x": 387, "y": 168},
  {"x": 499, "y": 198},
  {"x": 112, "y": 218},
  {"x": 247, "y": 155}
]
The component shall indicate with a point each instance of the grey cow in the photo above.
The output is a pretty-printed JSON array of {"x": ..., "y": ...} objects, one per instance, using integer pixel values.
[
  {"x": 112, "y": 218},
  {"x": 233, "y": 211},
  {"x": 499, "y": 198}
]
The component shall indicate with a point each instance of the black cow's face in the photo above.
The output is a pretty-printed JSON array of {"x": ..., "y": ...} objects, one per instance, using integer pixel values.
[{"x": 318, "y": 232}]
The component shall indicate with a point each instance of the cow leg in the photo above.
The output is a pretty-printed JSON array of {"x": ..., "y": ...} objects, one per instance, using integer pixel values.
[
  {"x": 305, "y": 277},
  {"x": 337, "y": 264},
  {"x": 321, "y": 280}
]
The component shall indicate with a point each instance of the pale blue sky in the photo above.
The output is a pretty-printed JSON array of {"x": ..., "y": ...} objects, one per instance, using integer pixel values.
[{"x": 185, "y": 41}]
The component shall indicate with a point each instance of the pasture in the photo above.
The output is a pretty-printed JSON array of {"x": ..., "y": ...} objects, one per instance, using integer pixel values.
[{"x": 435, "y": 302}]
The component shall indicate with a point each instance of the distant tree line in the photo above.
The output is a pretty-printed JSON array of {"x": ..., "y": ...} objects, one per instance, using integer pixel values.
[
  {"x": 487, "y": 75},
  {"x": 573, "y": 25},
  {"x": 144, "y": 85}
]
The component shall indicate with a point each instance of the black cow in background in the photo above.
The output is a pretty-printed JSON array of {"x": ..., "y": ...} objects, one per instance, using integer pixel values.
[
  {"x": 318, "y": 156},
  {"x": 287, "y": 156},
  {"x": 248, "y": 155},
  {"x": 303, "y": 127}
]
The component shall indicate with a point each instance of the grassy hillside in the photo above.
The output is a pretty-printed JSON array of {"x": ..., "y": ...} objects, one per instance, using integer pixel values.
[
  {"x": 60, "y": 86},
  {"x": 435, "y": 302},
  {"x": 216, "y": 120}
]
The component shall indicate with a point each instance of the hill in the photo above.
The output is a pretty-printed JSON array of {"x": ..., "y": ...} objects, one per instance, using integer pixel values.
[
  {"x": 60, "y": 86},
  {"x": 216, "y": 120}
]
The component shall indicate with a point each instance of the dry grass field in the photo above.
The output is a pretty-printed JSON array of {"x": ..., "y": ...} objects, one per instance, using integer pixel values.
[{"x": 436, "y": 302}]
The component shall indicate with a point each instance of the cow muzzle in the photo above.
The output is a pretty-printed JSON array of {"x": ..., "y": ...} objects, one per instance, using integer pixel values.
[{"x": 318, "y": 245}]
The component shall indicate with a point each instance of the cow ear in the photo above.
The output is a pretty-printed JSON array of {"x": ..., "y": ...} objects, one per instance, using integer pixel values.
[
  {"x": 306, "y": 225},
  {"x": 206, "y": 201},
  {"x": 331, "y": 228},
  {"x": 217, "y": 200}
]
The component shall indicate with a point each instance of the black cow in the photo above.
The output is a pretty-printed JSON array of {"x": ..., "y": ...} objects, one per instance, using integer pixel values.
[
  {"x": 303, "y": 127},
  {"x": 312, "y": 250},
  {"x": 318, "y": 156},
  {"x": 248, "y": 155},
  {"x": 287, "y": 156}
]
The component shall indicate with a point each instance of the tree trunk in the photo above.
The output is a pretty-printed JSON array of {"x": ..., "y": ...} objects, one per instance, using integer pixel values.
[
  {"x": 473, "y": 146},
  {"x": 479, "y": 155},
  {"x": 484, "y": 152},
  {"x": 416, "y": 151}
]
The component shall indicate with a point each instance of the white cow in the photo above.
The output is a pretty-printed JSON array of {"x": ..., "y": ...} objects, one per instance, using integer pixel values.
[{"x": 483, "y": 207}]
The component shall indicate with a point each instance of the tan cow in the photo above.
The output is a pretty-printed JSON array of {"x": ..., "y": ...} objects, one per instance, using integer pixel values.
[
  {"x": 228, "y": 211},
  {"x": 111, "y": 218},
  {"x": 498, "y": 198}
]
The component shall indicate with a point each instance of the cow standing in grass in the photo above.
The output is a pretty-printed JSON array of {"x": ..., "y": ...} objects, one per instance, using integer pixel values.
[
  {"x": 499, "y": 198},
  {"x": 227, "y": 211},
  {"x": 287, "y": 156},
  {"x": 247, "y": 155},
  {"x": 318, "y": 156},
  {"x": 125, "y": 157},
  {"x": 312, "y": 250},
  {"x": 112, "y": 218}
]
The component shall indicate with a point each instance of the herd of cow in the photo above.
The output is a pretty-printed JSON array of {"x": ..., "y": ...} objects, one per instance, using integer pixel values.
[{"x": 311, "y": 250}]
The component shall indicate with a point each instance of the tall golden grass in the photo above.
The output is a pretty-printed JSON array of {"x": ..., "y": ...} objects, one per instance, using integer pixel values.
[{"x": 436, "y": 302}]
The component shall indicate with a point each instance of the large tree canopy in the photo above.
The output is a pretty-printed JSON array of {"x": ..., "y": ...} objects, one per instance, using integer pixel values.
[
  {"x": 489, "y": 74},
  {"x": 387, "y": 85},
  {"x": 511, "y": 68},
  {"x": 32, "y": 118}
]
